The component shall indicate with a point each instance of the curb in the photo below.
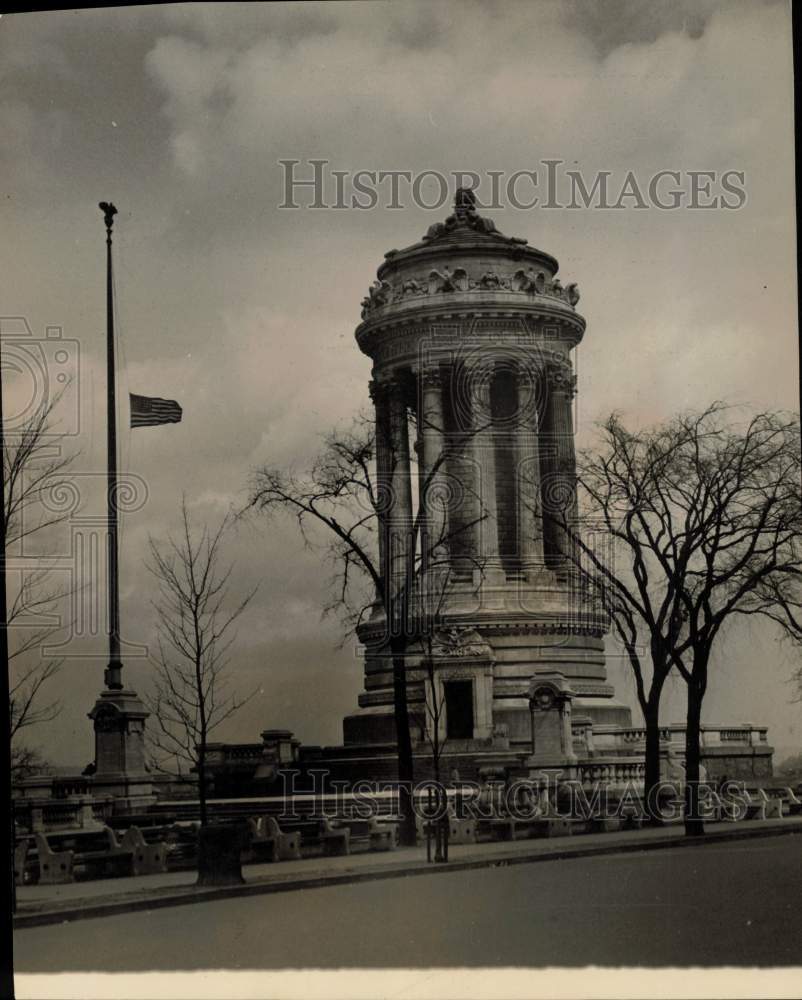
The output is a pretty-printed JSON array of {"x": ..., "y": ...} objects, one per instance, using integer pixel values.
[{"x": 190, "y": 894}]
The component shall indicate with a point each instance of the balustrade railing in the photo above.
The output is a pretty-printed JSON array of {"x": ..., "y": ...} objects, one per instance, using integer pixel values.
[
  {"x": 611, "y": 772},
  {"x": 609, "y": 739}
]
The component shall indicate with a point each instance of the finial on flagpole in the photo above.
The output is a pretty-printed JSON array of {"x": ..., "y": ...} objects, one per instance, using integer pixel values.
[{"x": 109, "y": 211}]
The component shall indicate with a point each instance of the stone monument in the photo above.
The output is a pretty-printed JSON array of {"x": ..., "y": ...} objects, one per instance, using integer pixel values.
[{"x": 471, "y": 335}]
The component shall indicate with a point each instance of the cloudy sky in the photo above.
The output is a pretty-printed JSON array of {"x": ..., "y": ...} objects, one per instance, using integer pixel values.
[{"x": 245, "y": 312}]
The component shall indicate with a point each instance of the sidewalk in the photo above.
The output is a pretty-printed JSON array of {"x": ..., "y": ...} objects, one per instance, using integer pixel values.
[{"x": 51, "y": 904}]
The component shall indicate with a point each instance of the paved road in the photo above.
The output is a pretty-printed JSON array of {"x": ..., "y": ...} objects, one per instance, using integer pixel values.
[{"x": 721, "y": 904}]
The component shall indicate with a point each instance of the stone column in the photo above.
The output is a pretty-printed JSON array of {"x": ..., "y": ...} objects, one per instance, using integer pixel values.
[
  {"x": 484, "y": 457},
  {"x": 433, "y": 472},
  {"x": 379, "y": 393},
  {"x": 527, "y": 461},
  {"x": 400, "y": 512},
  {"x": 559, "y": 484}
]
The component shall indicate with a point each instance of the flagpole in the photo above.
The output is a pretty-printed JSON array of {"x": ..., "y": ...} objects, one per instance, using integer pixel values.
[{"x": 113, "y": 673}]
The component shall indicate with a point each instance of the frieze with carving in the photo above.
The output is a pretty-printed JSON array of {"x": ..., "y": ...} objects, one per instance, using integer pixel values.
[
  {"x": 399, "y": 342},
  {"x": 445, "y": 281},
  {"x": 379, "y": 294},
  {"x": 437, "y": 282},
  {"x": 531, "y": 281},
  {"x": 460, "y": 643}
]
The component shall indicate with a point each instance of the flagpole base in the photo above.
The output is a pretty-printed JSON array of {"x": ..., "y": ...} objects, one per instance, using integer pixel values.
[
  {"x": 118, "y": 718},
  {"x": 113, "y": 676}
]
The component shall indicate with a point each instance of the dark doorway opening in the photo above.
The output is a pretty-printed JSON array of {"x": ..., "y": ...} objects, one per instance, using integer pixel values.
[{"x": 459, "y": 710}]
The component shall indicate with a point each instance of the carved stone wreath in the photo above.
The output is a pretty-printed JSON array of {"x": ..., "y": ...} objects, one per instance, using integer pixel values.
[
  {"x": 543, "y": 699},
  {"x": 108, "y": 720}
]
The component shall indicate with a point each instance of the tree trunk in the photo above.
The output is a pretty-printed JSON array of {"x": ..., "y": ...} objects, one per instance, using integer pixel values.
[
  {"x": 435, "y": 723},
  {"x": 204, "y": 723},
  {"x": 694, "y": 824},
  {"x": 202, "y": 785},
  {"x": 651, "y": 778},
  {"x": 407, "y": 832}
]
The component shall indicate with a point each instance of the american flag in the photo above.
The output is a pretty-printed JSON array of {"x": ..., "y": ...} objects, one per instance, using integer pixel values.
[{"x": 148, "y": 411}]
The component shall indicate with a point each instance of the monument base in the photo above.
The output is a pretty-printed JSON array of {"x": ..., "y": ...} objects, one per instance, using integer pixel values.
[
  {"x": 128, "y": 792},
  {"x": 119, "y": 721}
]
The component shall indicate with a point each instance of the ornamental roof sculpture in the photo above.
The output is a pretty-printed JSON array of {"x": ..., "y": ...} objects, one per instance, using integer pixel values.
[{"x": 465, "y": 217}]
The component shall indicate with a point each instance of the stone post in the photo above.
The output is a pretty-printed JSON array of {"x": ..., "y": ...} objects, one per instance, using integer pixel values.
[{"x": 527, "y": 460}]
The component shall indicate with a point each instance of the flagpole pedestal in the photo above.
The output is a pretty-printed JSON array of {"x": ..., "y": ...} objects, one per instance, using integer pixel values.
[{"x": 119, "y": 717}]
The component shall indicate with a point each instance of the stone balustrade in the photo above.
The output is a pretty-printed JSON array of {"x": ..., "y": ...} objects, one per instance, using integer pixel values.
[
  {"x": 67, "y": 813},
  {"x": 633, "y": 739},
  {"x": 220, "y": 753},
  {"x": 53, "y": 786},
  {"x": 611, "y": 772}
]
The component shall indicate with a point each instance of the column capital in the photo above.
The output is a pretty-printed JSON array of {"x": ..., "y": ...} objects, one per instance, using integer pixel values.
[
  {"x": 481, "y": 362},
  {"x": 380, "y": 385},
  {"x": 561, "y": 378},
  {"x": 528, "y": 378},
  {"x": 524, "y": 375},
  {"x": 429, "y": 375}
]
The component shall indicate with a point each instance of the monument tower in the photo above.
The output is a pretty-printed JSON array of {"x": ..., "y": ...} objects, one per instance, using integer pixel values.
[
  {"x": 471, "y": 335},
  {"x": 472, "y": 338}
]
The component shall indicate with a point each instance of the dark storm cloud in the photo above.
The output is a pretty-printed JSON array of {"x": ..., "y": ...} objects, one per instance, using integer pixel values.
[{"x": 610, "y": 23}]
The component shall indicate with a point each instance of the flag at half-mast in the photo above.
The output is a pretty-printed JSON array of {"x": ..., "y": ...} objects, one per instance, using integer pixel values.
[{"x": 148, "y": 411}]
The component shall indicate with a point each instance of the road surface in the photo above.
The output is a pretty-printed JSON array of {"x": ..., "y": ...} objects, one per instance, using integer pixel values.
[{"x": 734, "y": 903}]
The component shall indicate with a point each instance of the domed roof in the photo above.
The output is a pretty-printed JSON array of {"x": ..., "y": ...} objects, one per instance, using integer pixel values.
[{"x": 466, "y": 230}]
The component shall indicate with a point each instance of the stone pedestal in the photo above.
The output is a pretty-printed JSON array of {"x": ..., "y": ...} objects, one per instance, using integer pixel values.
[
  {"x": 550, "y": 699},
  {"x": 119, "y": 722}
]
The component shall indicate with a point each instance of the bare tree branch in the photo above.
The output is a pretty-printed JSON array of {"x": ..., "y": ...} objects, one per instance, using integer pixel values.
[
  {"x": 706, "y": 518},
  {"x": 195, "y": 633},
  {"x": 34, "y": 470}
]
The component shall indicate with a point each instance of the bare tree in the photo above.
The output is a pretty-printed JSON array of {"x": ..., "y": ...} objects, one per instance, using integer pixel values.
[
  {"x": 191, "y": 697},
  {"x": 34, "y": 467},
  {"x": 707, "y": 519},
  {"x": 342, "y": 494},
  {"x": 618, "y": 486},
  {"x": 29, "y": 672},
  {"x": 28, "y": 709}
]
